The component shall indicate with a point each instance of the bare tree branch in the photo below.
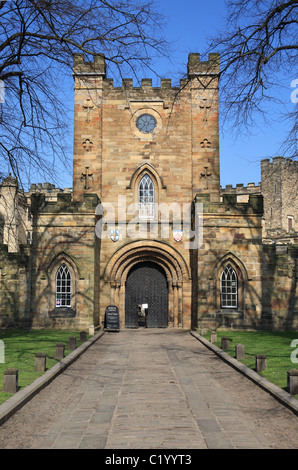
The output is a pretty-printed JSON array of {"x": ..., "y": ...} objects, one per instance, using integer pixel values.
[
  {"x": 37, "y": 41},
  {"x": 259, "y": 46}
]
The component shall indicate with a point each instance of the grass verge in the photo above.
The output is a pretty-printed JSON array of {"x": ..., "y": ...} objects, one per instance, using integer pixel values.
[
  {"x": 275, "y": 345},
  {"x": 20, "y": 348}
]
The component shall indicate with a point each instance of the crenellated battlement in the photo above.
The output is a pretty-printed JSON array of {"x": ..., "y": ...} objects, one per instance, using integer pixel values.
[
  {"x": 242, "y": 193},
  {"x": 251, "y": 188},
  {"x": 252, "y": 204},
  {"x": 108, "y": 136},
  {"x": 63, "y": 204},
  {"x": 49, "y": 190},
  {"x": 195, "y": 67},
  {"x": 82, "y": 67},
  {"x": 146, "y": 84},
  {"x": 275, "y": 171},
  {"x": 277, "y": 162}
]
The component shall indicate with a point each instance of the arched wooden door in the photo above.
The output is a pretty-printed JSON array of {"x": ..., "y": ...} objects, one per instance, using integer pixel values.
[{"x": 147, "y": 284}]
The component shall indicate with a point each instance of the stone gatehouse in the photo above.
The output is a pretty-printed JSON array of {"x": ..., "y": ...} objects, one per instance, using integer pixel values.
[{"x": 146, "y": 222}]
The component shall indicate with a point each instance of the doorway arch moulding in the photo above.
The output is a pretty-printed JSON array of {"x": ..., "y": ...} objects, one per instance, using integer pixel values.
[{"x": 174, "y": 266}]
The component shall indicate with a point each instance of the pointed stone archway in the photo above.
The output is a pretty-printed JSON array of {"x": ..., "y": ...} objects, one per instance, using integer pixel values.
[{"x": 166, "y": 258}]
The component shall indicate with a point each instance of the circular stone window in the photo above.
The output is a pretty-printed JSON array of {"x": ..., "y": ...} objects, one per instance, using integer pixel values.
[{"x": 146, "y": 123}]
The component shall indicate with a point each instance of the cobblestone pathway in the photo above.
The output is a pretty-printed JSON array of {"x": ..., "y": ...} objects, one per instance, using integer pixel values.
[{"x": 151, "y": 389}]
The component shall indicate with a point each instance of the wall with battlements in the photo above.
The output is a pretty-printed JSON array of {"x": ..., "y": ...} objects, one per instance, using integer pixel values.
[
  {"x": 184, "y": 143},
  {"x": 279, "y": 187},
  {"x": 280, "y": 192},
  {"x": 180, "y": 154}
]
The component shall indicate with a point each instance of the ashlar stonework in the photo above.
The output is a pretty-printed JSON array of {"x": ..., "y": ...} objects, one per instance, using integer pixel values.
[{"x": 147, "y": 226}]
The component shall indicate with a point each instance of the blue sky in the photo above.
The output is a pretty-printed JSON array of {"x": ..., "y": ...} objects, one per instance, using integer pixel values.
[{"x": 189, "y": 24}]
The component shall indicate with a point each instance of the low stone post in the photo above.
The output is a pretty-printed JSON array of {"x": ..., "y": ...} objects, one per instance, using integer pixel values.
[
  {"x": 91, "y": 330},
  {"x": 59, "y": 351},
  {"x": 261, "y": 362},
  {"x": 239, "y": 351},
  {"x": 40, "y": 362},
  {"x": 292, "y": 377},
  {"x": 225, "y": 342},
  {"x": 213, "y": 337},
  {"x": 11, "y": 380},
  {"x": 83, "y": 336},
  {"x": 72, "y": 343},
  {"x": 203, "y": 331}
]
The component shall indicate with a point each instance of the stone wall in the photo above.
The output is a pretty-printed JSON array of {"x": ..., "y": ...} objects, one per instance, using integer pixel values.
[
  {"x": 181, "y": 156},
  {"x": 15, "y": 278},
  {"x": 279, "y": 287},
  {"x": 14, "y": 220},
  {"x": 108, "y": 145},
  {"x": 232, "y": 234},
  {"x": 63, "y": 232},
  {"x": 280, "y": 191}
]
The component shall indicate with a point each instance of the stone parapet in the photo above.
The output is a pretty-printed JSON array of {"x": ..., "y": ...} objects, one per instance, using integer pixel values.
[
  {"x": 229, "y": 201},
  {"x": 64, "y": 203},
  {"x": 197, "y": 67},
  {"x": 81, "y": 67},
  {"x": 241, "y": 189}
]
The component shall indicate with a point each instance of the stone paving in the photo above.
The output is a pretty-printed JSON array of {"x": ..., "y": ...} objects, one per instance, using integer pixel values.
[{"x": 151, "y": 389}]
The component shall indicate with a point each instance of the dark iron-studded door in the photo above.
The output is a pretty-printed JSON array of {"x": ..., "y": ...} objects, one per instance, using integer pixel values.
[{"x": 147, "y": 284}]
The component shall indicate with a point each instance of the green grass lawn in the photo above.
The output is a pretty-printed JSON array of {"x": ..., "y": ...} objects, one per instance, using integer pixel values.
[
  {"x": 275, "y": 345},
  {"x": 20, "y": 348}
]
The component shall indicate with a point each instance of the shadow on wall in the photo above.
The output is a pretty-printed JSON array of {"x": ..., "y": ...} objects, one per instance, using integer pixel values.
[{"x": 28, "y": 278}]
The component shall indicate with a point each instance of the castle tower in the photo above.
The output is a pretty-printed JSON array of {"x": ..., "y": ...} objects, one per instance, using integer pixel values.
[
  {"x": 87, "y": 157},
  {"x": 9, "y": 217},
  {"x": 155, "y": 149},
  {"x": 184, "y": 142},
  {"x": 279, "y": 188},
  {"x": 203, "y": 78},
  {"x": 145, "y": 225}
]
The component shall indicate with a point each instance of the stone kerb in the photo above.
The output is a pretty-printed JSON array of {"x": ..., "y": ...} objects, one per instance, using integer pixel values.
[
  {"x": 282, "y": 396},
  {"x": 17, "y": 401}
]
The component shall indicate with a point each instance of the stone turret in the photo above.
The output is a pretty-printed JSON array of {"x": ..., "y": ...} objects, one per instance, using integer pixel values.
[
  {"x": 196, "y": 68},
  {"x": 81, "y": 67},
  {"x": 9, "y": 213},
  {"x": 280, "y": 191}
]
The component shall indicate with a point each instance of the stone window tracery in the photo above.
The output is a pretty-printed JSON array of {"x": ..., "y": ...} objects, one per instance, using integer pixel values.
[
  {"x": 146, "y": 198},
  {"x": 63, "y": 287},
  {"x": 229, "y": 288}
]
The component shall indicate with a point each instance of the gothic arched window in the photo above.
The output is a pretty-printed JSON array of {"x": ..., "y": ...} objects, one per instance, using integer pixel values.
[
  {"x": 63, "y": 287},
  {"x": 229, "y": 288},
  {"x": 146, "y": 198}
]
